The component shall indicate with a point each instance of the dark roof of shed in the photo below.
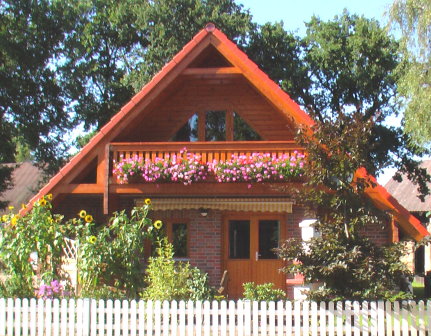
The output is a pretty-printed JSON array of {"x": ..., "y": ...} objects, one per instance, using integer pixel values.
[
  {"x": 25, "y": 179},
  {"x": 406, "y": 192}
]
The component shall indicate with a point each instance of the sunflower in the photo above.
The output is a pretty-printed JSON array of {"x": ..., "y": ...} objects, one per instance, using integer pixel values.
[
  {"x": 147, "y": 201},
  {"x": 5, "y": 218},
  {"x": 82, "y": 213},
  {"x": 92, "y": 239},
  {"x": 14, "y": 220},
  {"x": 158, "y": 224},
  {"x": 11, "y": 207},
  {"x": 23, "y": 206},
  {"x": 42, "y": 202},
  {"x": 49, "y": 197},
  {"x": 88, "y": 218}
]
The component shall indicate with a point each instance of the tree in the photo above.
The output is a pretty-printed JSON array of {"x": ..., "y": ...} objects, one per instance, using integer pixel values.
[
  {"x": 414, "y": 19},
  {"x": 31, "y": 104},
  {"x": 349, "y": 265}
]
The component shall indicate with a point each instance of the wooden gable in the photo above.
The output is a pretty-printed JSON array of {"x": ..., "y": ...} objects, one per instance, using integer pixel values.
[{"x": 209, "y": 73}]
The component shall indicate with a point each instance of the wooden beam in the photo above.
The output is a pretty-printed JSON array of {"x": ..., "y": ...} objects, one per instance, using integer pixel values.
[
  {"x": 212, "y": 72},
  {"x": 83, "y": 188},
  {"x": 106, "y": 180}
]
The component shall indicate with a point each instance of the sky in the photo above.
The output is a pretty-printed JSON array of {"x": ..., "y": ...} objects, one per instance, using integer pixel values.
[{"x": 294, "y": 13}]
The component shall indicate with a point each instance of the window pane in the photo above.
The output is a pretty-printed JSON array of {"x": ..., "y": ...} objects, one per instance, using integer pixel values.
[
  {"x": 189, "y": 131},
  {"x": 179, "y": 239},
  {"x": 243, "y": 131},
  {"x": 215, "y": 126},
  {"x": 268, "y": 238},
  {"x": 239, "y": 239}
]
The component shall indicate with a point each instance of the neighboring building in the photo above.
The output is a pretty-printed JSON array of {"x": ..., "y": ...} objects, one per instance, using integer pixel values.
[
  {"x": 26, "y": 179},
  {"x": 407, "y": 194},
  {"x": 216, "y": 102}
]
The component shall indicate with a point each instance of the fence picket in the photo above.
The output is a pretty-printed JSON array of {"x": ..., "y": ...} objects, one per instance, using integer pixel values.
[
  {"x": 25, "y": 318},
  {"x": 314, "y": 318},
  {"x": 421, "y": 317},
  {"x": 109, "y": 317},
  {"x": 297, "y": 317},
  {"x": 85, "y": 317},
  {"x": 255, "y": 321},
  {"x": 17, "y": 316},
  {"x": 322, "y": 318},
  {"x": 305, "y": 317},
  {"x": 33, "y": 318},
  {"x": 174, "y": 318},
  {"x": 331, "y": 319},
  {"x": 166, "y": 315},
  {"x": 214, "y": 318},
  {"x": 133, "y": 318},
  {"x": 55, "y": 317},
  {"x": 223, "y": 318},
  {"x": 381, "y": 318},
  {"x": 388, "y": 317},
  {"x": 40, "y": 317},
  {"x": 232, "y": 324},
  {"x": 182, "y": 318},
  {"x": 397, "y": 319},
  {"x": 348, "y": 318}
]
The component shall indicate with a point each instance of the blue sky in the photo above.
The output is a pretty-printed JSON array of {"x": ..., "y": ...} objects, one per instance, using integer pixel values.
[{"x": 294, "y": 13}]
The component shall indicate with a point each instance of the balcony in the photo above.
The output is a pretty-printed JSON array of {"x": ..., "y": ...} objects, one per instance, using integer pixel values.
[{"x": 208, "y": 151}]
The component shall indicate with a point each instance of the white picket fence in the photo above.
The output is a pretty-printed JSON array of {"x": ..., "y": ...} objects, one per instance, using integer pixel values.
[{"x": 84, "y": 317}]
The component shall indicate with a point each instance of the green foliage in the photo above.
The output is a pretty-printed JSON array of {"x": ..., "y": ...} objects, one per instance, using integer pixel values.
[
  {"x": 263, "y": 292},
  {"x": 350, "y": 265},
  {"x": 39, "y": 232},
  {"x": 414, "y": 19},
  {"x": 112, "y": 254},
  {"x": 171, "y": 280}
]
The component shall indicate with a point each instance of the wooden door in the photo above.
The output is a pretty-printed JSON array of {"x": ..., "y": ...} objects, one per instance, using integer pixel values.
[{"x": 249, "y": 255}]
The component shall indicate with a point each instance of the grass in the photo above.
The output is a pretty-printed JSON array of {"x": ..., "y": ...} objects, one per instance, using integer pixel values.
[{"x": 418, "y": 290}]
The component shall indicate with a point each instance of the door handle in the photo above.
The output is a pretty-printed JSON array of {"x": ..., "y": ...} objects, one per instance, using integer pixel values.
[{"x": 257, "y": 255}]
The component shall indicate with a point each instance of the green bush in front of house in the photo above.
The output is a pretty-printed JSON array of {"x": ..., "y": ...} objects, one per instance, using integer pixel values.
[
  {"x": 168, "y": 279},
  {"x": 263, "y": 292}
]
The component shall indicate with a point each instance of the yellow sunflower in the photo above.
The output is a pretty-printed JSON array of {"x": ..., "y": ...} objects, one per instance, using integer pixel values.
[
  {"x": 49, "y": 197},
  {"x": 147, "y": 201},
  {"x": 23, "y": 206},
  {"x": 4, "y": 218},
  {"x": 158, "y": 224},
  {"x": 92, "y": 239},
  {"x": 88, "y": 218},
  {"x": 11, "y": 207},
  {"x": 14, "y": 220},
  {"x": 42, "y": 202},
  {"x": 82, "y": 213}
]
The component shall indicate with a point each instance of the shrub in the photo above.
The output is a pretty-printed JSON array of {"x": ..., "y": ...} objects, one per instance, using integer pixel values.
[
  {"x": 263, "y": 292},
  {"x": 171, "y": 280}
]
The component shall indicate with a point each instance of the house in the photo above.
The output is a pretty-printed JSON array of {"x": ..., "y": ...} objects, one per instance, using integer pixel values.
[
  {"x": 406, "y": 193},
  {"x": 215, "y": 102},
  {"x": 26, "y": 180}
]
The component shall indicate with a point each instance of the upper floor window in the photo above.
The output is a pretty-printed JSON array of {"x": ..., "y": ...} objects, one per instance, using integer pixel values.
[{"x": 216, "y": 126}]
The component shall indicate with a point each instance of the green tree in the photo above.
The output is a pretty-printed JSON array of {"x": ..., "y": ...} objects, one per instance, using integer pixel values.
[
  {"x": 31, "y": 104},
  {"x": 414, "y": 19},
  {"x": 349, "y": 265}
]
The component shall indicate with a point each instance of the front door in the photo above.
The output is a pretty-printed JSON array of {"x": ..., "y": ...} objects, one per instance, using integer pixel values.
[{"x": 249, "y": 255}]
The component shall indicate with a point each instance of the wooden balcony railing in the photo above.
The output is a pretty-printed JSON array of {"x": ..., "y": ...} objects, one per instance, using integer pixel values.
[{"x": 209, "y": 151}]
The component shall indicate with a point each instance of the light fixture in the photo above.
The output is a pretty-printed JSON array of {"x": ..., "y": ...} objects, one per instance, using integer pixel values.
[{"x": 203, "y": 212}]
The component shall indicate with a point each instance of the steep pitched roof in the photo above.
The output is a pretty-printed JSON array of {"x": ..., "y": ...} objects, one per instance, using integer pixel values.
[
  {"x": 25, "y": 181},
  {"x": 256, "y": 77},
  {"x": 407, "y": 194}
]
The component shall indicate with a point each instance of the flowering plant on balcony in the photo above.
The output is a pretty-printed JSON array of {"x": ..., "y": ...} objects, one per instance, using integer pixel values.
[
  {"x": 258, "y": 167},
  {"x": 183, "y": 167}
]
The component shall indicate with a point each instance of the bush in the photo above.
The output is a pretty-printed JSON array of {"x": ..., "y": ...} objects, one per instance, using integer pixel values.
[
  {"x": 263, "y": 292},
  {"x": 171, "y": 280}
]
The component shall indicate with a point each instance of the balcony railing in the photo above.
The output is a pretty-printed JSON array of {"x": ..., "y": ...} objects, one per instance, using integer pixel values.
[{"x": 208, "y": 151}]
